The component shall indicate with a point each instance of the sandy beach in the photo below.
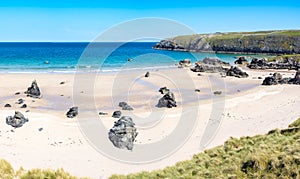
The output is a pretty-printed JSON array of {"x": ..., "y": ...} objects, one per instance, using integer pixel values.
[{"x": 51, "y": 140}]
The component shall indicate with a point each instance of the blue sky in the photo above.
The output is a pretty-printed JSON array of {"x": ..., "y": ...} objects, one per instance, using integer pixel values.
[{"x": 71, "y": 20}]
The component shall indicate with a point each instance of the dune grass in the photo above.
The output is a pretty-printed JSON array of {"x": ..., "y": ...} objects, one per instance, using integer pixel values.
[
  {"x": 7, "y": 172},
  {"x": 273, "y": 155}
]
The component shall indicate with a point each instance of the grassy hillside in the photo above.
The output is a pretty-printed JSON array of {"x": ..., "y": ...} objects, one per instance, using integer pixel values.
[
  {"x": 277, "y": 42},
  {"x": 274, "y": 155}
]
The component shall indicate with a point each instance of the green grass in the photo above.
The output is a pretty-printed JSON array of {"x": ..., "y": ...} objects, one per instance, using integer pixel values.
[
  {"x": 274, "y": 155},
  {"x": 7, "y": 172},
  {"x": 295, "y": 57}
]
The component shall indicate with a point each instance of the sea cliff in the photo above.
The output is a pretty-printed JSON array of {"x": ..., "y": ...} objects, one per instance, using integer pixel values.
[{"x": 269, "y": 42}]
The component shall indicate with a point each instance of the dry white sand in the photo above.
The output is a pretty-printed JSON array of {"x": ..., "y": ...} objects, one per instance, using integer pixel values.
[{"x": 250, "y": 109}]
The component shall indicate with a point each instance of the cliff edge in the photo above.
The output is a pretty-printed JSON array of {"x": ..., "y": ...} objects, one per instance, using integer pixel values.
[{"x": 273, "y": 42}]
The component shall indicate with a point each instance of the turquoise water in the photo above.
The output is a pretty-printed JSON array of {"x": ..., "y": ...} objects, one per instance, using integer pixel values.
[{"x": 67, "y": 57}]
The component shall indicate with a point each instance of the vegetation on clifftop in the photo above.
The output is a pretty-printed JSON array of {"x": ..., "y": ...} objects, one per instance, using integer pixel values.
[
  {"x": 274, "y": 155},
  {"x": 276, "y": 42}
]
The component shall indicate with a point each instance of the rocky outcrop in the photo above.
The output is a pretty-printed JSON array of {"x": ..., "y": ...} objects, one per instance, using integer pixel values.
[
  {"x": 125, "y": 106},
  {"x": 18, "y": 120},
  {"x": 211, "y": 65},
  {"x": 168, "y": 45},
  {"x": 184, "y": 63},
  {"x": 236, "y": 72},
  {"x": 278, "y": 42},
  {"x": 123, "y": 133},
  {"x": 277, "y": 64},
  {"x": 168, "y": 100},
  {"x": 73, "y": 112},
  {"x": 276, "y": 78},
  {"x": 33, "y": 91},
  {"x": 116, "y": 114}
]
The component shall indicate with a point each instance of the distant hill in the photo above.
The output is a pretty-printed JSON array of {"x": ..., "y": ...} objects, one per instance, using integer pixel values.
[{"x": 274, "y": 42}]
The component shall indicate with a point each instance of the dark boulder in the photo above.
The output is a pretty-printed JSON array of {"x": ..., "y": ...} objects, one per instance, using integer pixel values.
[
  {"x": 296, "y": 79},
  {"x": 123, "y": 133},
  {"x": 241, "y": 61},
  {"x": 125, "y": 106},
  {"x": 33, "y": 91},
  {"x": 168, "y": 100},
  {"x": 24, "y": 106},
  {"x": 117, "y": 114},
  {"x": 20, "y": 101},
  {"x": 17, "y": 120},
  {"x": 7, "y": 105},
  {"x": 272, "y": 80},
  {"x": 147, "y": 74},
  {"x": 236, "y": 72},
  {"x": 73, "y": 112}
]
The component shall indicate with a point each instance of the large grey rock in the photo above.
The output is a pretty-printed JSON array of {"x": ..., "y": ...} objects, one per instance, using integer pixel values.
[
  {"x": 73, "y": 112},
  {"x": 123, "y": 133},
  {"x": 211, "y": 65},
  {"x": 236, "y": 72},
  {"x": 33, "y": 91},
  {"x": 117, "y": 114},
  {"x": 17, "y": 120},
  {"x": 168, "y": 100},
  {"x": 125, "y": 106}
]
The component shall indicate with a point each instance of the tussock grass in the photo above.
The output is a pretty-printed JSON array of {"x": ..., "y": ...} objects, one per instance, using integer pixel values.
[
  {"x": 273, "y": 155},
  {"x": 7, "y": 172}
]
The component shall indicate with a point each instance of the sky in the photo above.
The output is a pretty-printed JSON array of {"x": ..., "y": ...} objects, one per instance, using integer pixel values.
[{"x": 78, "y": 21}]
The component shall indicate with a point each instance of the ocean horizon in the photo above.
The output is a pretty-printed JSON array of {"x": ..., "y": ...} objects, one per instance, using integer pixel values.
[{"x": 68, "y": 57}]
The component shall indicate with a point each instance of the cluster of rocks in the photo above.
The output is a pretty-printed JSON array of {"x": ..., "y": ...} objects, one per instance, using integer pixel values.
[
  {"x": 210, "y": 65},
  {"x": 168, "y": 45},
  {"x": 73, "y": 112},
  {"x": 123, "y": 133},
  {"x": 168, "y": 100},
  {"x": 17, "y": 120},
  {"x": 284, "y": 63},
  {"x": 33, "y": 91},
  {"x": 215, "y": 65},
  {"x": 277, "y": 78}
]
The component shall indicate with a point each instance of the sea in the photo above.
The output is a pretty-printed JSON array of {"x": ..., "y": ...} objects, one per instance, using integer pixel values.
[{"x": 61, "y": 57}]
